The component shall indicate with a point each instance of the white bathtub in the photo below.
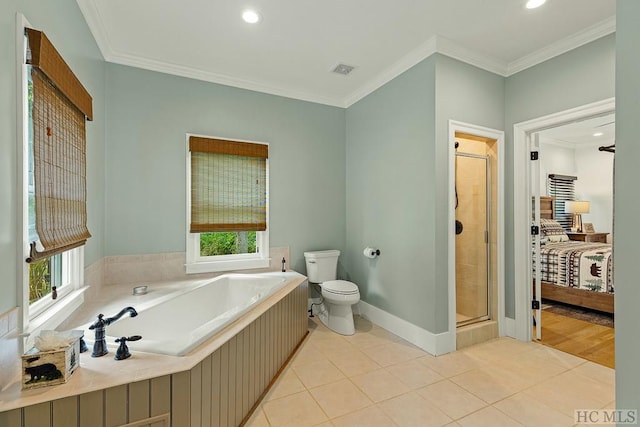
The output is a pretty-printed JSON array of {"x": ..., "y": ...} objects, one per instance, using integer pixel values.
[{"x": 177, "y": 323}]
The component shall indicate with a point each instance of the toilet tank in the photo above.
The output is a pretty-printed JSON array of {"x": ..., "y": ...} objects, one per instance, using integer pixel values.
[{"x": 322, "y": 266}]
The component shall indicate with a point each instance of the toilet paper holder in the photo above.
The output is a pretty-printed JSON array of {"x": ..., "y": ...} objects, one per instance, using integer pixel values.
[{"x": 371, "y": 252}]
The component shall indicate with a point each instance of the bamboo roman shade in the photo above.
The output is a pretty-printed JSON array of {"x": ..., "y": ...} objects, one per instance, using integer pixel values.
[
  {"x": 228, "y": 185},
  {"x": 59, "y": 151},
  {"x": 43, "y": 55}
]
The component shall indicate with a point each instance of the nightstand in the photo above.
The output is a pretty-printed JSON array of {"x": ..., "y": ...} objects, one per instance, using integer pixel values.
[{"x": 588, "y": 237}]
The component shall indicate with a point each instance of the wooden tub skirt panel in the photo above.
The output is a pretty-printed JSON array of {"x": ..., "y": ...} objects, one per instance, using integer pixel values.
[
  {"x": 221, "y": 390},
  {"x": 600, "y": 301}
]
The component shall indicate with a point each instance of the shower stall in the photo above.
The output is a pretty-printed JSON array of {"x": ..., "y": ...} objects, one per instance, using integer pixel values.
[{"x": 475, "y": 228}]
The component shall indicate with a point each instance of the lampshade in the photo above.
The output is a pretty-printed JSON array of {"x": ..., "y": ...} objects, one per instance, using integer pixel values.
[{"x": 577, "y": 206}]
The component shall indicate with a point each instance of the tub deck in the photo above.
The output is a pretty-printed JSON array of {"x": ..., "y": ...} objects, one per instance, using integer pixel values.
[{"x": 105, "y": 373}]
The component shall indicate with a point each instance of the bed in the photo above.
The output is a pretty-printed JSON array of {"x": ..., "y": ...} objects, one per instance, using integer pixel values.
[{"x": 573, "y": 272}]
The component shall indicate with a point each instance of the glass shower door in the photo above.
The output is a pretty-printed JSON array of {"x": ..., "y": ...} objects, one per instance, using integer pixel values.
[{"x": 473, "y": 293}]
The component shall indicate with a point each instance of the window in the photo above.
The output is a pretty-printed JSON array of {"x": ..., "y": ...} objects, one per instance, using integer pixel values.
[
  {"x": 227, "y": 206},
  {"x": 55, "y": 107},
  {"x": 562, "y": 187}
]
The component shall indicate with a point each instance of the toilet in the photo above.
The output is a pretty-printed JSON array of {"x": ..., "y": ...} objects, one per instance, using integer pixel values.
[{"x": 338, "y": 295}]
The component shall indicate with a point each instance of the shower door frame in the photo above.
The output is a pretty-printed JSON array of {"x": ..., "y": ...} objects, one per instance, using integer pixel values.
[
  {"x": 487, "y": 226},
  {"x": 498, "y": 135}
]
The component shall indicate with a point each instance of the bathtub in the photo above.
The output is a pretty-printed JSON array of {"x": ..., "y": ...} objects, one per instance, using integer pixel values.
[{"x": 176, "y": 323}]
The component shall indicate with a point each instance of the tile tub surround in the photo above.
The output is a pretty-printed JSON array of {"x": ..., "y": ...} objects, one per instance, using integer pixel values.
[
  {"x": 9, "y": 347},
  {"x": 124, "y": 269},
  {"x": 374, "y": 378},
  {"x": 94, "y": 273},
  {"x": 104, "y": 372}
]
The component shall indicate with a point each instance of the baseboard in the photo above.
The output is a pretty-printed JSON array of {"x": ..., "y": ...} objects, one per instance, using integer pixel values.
[
  {"x": 435, "y": 344},
  {"x": 510, "y": 327}
]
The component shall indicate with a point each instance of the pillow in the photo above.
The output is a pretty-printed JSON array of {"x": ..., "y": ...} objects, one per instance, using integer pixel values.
[{"x": 553, "y": 231}]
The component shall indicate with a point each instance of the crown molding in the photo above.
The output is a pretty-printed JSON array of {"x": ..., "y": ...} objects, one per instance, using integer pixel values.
[
  {"x": 601, "y": 29},
  {"x": 193, "y": 73},
  {"x": 414, "y": 57},
  {"x": 96, "y": 26},
  {"x": 457, "y": 51},
  {"x": 435, "y": 44}
]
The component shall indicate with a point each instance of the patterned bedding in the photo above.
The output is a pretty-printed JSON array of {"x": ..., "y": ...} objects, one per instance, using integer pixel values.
[{"x": 578, "y": 265}]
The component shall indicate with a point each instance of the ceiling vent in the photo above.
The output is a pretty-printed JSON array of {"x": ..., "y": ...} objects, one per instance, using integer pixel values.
[{"x": 343, "y": 69}]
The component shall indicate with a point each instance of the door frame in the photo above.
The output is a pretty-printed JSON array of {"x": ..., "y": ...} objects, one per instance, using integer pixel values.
[
  {"x": 498, "y": 135},
  {"x": 522, "y": 204}
]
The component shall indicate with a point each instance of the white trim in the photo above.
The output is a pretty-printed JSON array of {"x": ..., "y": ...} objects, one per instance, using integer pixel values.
[
  {"x": 95, "y": 23},
  {"x": 498, "y": 135},
  {"x": 54, "y": 316},
  {"x": 461, "y": 53},
  {"x": 74, "y": 280},
  {"x": 96, "y": 26},
  {"x": 435, "y": 344},
  {"x": 522, "y": 203},
  {"x": 22, "y": 252},
  {"x": 601, "y": 29},
  {"x": 414, "y": 57},
  {"x": 223, "y": 79},
  {"x": 509, "y": 327},
  {"x": 435, "y": 44}
]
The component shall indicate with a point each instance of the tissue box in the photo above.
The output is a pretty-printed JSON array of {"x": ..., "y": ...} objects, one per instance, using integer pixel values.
[{"x": 45, "y": 368}]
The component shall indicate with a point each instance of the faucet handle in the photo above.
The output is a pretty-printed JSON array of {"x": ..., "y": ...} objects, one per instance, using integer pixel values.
[
  {"x": 123, "y": 351},
  {"x": 98, "y": 323}
]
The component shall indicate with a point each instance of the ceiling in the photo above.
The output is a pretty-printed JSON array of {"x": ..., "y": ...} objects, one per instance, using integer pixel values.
[
  {"x": 583, "y": 133},
  {"x": 293, "y": 49}
]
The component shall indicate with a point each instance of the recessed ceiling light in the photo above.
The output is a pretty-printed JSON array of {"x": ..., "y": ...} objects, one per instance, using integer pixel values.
[
  {"x": 532, "y": 4},
  {"x": 598, "y": 134},
  {"x": 250, "y": 16}
]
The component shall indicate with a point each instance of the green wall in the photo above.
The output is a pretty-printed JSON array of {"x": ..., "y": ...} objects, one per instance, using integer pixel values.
[
  {"x": 397, "y": 183},
  {"x": 65, "y": 26},
  {"x": 148, "y": 115},
  {"x": 578, "y": 77},
  {"x": 390, "y": 195},
  {"x": 627, "y": 209},
  {"x": 466, "y": 94}
]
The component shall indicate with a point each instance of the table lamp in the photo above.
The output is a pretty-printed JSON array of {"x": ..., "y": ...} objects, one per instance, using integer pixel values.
[{"x": 577, "y": 208}]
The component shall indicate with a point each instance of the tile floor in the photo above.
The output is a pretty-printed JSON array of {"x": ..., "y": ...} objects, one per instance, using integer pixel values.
[{"x": 375, "y": 378}]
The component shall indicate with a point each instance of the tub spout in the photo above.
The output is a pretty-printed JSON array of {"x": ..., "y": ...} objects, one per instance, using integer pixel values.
[
  {"x": 132, "y": 311},
  {"x": 100, "y": 344}
]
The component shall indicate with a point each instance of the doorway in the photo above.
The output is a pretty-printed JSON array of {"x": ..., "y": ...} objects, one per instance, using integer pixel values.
[
  {"x": 575, "y": 182},
  {"x": 476, "y": 251},
  {"x": 473, "y": 224},
  {"x": 526, "y": 213}
]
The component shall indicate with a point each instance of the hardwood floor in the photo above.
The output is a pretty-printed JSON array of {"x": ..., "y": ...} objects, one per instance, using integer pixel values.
[{"x": 583, "y": 339}]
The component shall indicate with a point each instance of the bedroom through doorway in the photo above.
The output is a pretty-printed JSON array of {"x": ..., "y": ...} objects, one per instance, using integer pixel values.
[{"x": 571, "y": 182}]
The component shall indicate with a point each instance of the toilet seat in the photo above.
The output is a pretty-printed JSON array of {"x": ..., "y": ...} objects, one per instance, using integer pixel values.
[{"x": 340, "y": 287}]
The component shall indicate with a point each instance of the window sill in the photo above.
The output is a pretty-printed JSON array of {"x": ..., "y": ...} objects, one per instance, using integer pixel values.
[
  {"x": 229, "y": 265},
  {"x": 52, "y": 317}
]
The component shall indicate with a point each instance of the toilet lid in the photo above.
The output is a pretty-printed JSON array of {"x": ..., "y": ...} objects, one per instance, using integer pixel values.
[{"x": 341, "y": 287}]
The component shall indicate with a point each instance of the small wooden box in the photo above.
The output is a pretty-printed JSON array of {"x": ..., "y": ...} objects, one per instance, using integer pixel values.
[{"x": 45, "y": 368}]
